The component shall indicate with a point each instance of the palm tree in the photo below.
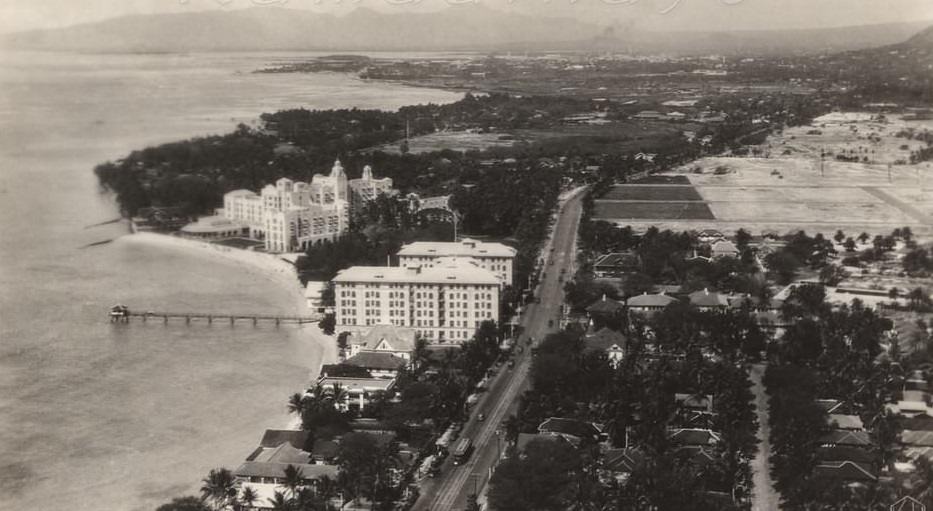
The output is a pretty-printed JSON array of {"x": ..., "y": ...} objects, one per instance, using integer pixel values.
[
  {"x": 294, "y": 480},
  {"x": 297, "y": 403},
  {"x": 248, "y": 497},
  {"x": 326, "y": 489},
  {"x": 337, "y": 394},
  {"x": 279, "y": 502},
  {"x": 218, "y": 487}
]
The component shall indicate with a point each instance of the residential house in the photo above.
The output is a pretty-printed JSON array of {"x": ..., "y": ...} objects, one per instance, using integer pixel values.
[
  {"x": 605, "y": 307},
  {"x": 867, "y": 457},
  {"x": 394, "y": 340},
  {"x": 523, "y": 439},
  {"x": 694, "y": 402},
  {"x": 357, "y": 393},
  {"x": 572, "y": 430},
  {"x": 616, "y": 264},
  {"x": 844, "y": 471},
  {"x": 707, "y": 300},
  {"x": 846, "y": 422},
  {"x": 839, "y": 437},
  {"x": 379, "y": 364},
  {"x": 684, "y": 437},
  {"x": 607, "y": 341},
  {"x": 649, "y": 304},
  {"x": 724, "y": 248},
  {"x": 618, "y": 464},
  {"x": 264, "y": 471}
]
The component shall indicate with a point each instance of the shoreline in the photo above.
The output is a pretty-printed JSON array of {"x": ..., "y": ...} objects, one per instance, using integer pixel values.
[{"x": 273, "y": 268}]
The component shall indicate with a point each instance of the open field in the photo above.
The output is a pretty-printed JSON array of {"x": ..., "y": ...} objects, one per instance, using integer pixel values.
[
  {"x": 452, "y": 140},
  {"x": 653, "y": 193},
  {"x": 659, "y": 179},
  {"x": 653, "y": 211}
]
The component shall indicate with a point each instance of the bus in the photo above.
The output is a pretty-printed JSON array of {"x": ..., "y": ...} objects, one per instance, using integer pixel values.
[{"x": 462, "y": 451}]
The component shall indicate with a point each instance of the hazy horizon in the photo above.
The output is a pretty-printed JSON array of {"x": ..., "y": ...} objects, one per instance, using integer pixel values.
[{"x": 673, "y": 15}]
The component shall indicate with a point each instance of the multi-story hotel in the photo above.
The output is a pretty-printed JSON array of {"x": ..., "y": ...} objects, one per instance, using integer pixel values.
[
  {"x": 443, "y": 303},
  {"x": 494, "y": 257},
  {"x": 367, "y": 188},
  {"x": 293, "y": 215}
]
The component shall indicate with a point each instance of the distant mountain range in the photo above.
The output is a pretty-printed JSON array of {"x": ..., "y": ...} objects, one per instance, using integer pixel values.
[{"x": 459, "y": 27}]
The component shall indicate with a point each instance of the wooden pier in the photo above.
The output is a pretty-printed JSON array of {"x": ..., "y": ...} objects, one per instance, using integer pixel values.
[{"x": 210, "y": 318}]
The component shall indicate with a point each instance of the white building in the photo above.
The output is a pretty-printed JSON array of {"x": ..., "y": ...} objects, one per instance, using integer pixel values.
[
  {"x": 443, "y": 303},
  {"x": 293, "y": 215},
  {"x": 367, "y": 188},
  {"x": 495, "y": 257}
]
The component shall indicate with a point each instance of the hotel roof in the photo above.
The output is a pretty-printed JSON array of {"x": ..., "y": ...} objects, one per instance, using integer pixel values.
[
  {"x": 359, "y": 384},
  {"x": 459, "y": 272},
  {"x": 466, "y": 247}
]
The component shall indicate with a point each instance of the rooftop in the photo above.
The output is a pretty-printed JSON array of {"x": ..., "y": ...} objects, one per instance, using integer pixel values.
[
  {"x": 605, "y": 306},
  {"x": 275, "y": 437},
  {"x": 698, "y": 437},
  {"x": 622, "y": 460},
  {"x": 618, "y": 259},
  {"x": 386, "y": 338},
  {"x": 841, "y": 437},
  {"x": 844, "y": 470},
  {"x": 359, "y": 384},
  {"x": 459, "y": 272},
  {"x": 605, "y": 339},
  {"x": 707, "y": 298},
  {"x": 376, "y": 360},
  {"x": 846, "y": 421},
  {"x": 571, "y": 427},
  {"x": 466, "y": 247},
  {"x": 645, "y": 300}
]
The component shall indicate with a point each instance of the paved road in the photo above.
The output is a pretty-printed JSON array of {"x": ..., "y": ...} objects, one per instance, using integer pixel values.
[
  {"x": 764, "y": 496},
  {"x": 453, "y": 487}
]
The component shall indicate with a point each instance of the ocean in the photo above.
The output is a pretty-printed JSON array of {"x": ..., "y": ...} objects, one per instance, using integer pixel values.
[{"x": 125, "y": 417}]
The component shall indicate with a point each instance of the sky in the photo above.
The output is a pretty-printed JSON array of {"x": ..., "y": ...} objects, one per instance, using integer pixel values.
[{"x": 718, "y": 15}]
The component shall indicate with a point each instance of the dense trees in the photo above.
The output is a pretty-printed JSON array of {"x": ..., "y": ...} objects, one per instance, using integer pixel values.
[{"x": 544, "y": 477}]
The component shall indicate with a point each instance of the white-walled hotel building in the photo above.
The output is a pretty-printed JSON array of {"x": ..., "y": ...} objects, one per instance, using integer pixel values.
[
  {"x": 443, "y": 303},
  {"x": 495, "y": 257},
  {"x": 292, "y": 215}
]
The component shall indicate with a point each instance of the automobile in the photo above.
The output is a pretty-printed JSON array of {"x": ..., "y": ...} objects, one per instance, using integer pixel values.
[
  {"x": 481, "y": 417},
  {"x": 511, "y": 364}
]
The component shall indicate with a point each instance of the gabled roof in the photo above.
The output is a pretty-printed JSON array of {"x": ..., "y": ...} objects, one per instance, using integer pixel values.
[
  {"x": 387, "y": 338},
  {"x": 605, "y": 339},
  {"x": 844, "y": 471},
  {"x": 696, "y": 454},
  {"x": 697, "y": 437},
  {"x": 707, "y": 298},
  {"x": 526, "y": 438},
  {"x": 841, "y": 437},
  {"x": 920, "y": 423},
  {"x": 605, "y": 306},
  {"x": 325, "y": 449},
  {"x": 724, "y": 246},
  {"x": 376, "y": 360},
  {"x": 694, "y": 401},
  {"x": 275, "y": 437},
  {"x": 829, "y": 405},
  {"x": 656, "y": 300},
  {"x": 846, "y": 421},
  {"x": 284, "y": 453},
  {"x": 622, "y": 460},
  {"x": 617, "y": 260},
  {"x": 264, "y": 469},
  {"x": 907, "y": 503},
  {"x": 570, "y": 427},
  {"x": 847, "y": 453},
  {"x": 917, "y": 438}
]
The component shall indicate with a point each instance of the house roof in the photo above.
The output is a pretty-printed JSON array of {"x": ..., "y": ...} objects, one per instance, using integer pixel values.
[
  {"x": 617, "y": 260},
  {"x": 846, "y": 421},
  {"x": 622, "y": 460},
  {"x": 844, "y": 471},
  {"x": 526, "y": 438},
  {"x": 846, "y": 453},
  {"x": 265, "y": 469},
  {"x": 276, "y": 437},
  {"x": 920, "y": 423},
  {"x": 605, "y": 306},
  {"x": 907, "y": 503},
  {"x": 605, "y": 339},
  {"x": 724, "y": 246},
  {"x": 694, "y": 401},
  {"x": 284, "y": 453},
  {"x": 571, "y": 427},
  {"x": 696, "y": 454},
  {"x": 707, "y": 298},
  {"x": 917, "y": 438},
  {"x": 376, "y": 360},
  {"x": 829, "y": 405},
  {"x": 358, "y": 384},
  {"x": 656, "y": 300},
  {"x": 710, "y": 233},
  {"x": 841, "y": 437},
  {"x": 697, "y": 437},
  {"x": 395, "y": 338}
]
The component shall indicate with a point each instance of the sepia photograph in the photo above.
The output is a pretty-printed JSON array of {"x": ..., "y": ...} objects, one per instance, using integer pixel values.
[{"x": 466, "y": 255}]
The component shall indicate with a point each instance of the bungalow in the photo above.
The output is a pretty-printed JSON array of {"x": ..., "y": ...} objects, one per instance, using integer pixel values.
[
  {"x": 618, "y": 464},
  {"x": 575, "y": 431},
  {"x": 616, "y": 264},
  {"x": 357, "y": 392},
  {"x": 273, "y": 438},
  {"x": 844, "y": 471},
  {"x": 693, "y": 437},
  {"x": 649, "y": 304},
  {"x": 605, "y": 307},
  {"x": 846, "y": 453},
  {"x": 264, "y": 471},
  {"x": 607, "y": 341},
  {"x": 724, "y": 248},
  {"x": 840, "y": 437},
  {"x": 380, "y": 364},
  {"x": 395, "y": 340},
  {"x": 708, "y": 301}
]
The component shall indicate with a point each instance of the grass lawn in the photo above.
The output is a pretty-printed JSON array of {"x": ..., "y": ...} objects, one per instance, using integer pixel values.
[
  {"x": 653, "y": 211},
  {"x": 653, "y": 193}
]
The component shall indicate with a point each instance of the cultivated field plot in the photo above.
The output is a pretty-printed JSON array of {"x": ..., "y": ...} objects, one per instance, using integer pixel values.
[
  {"x": 620, "y": 211},
  {"x": 653, "y": 193},
  {"x": 787, "y": 194},
  {"x": 657, "y": 179},
  {"x": 876, "y": 213}
]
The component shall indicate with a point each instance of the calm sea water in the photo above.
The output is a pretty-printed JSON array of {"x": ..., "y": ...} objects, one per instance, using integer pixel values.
[{"x": 97, "y": 416}]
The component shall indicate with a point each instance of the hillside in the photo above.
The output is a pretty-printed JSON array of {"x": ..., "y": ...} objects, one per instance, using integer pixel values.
[{"x": 459, "y": 27}]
